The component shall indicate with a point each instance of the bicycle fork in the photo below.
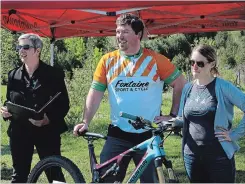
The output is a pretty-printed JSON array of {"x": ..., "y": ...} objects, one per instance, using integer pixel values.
[
  {"x": 168, "y": 164},
  {"x": 159, "y": 169}
]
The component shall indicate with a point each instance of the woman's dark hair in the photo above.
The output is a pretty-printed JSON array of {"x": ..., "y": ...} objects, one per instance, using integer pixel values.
[
  {"x": 135, "y": 22},
  {"x": 209, "y": 53}
]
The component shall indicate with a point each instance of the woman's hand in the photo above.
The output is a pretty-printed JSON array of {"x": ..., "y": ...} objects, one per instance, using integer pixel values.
[
  {"x": 40, "y": 123},
  {"x": 4, "y": 112},
  {"x": 224, "y": 135},
  {"x": 159, "y": 119}
]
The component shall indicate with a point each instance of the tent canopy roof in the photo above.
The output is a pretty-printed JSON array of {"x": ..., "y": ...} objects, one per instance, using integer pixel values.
[{"x": 61, "y": 19}]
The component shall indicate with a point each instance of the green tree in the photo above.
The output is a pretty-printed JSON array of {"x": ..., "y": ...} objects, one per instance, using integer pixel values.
[
  {"x": 178, "y": 44},
  {"x": 46, "y": 55},
  {"x": 221, "y": 38},
  {"x": 75, "y": 46},
  {"x": 9, "y": 56},
  {"x": 205, "y": 40},
  {"x": 158, "y": 44},
  {"x": 78, "y": 88},
  {"x": 182, "y": 62},
  {"x": 170, "y": 46}
]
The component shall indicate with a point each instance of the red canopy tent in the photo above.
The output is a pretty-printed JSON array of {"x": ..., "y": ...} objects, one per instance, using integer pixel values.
[{"x": 61, "y": 19}]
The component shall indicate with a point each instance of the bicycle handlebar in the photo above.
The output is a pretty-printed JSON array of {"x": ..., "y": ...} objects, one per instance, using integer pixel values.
[
  {"x": 128, "y": 116},
  {"x": 134, "y": 118},
  {"x": 162, "y": 125}
]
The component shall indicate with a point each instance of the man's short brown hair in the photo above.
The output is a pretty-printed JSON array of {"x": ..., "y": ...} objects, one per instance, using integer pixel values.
[{"x": 130, "y": 19}]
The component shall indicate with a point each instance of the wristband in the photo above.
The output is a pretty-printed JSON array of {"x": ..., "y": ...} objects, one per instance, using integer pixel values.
[{"x": 172, "y": 115}]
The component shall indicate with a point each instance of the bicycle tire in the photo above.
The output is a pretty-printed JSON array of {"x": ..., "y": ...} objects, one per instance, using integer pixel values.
[{"x": 54, "y": 161}]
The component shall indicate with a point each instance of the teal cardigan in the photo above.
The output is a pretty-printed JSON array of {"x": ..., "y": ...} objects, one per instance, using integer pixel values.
[{"x": 227, "y": 96}]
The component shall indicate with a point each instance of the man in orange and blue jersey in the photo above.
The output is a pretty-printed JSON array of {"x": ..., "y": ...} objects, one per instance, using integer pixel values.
[{"x": 134, "y": 77}]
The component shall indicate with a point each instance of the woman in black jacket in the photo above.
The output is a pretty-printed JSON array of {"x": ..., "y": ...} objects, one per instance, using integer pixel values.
[{"x": 32, "y": 85}]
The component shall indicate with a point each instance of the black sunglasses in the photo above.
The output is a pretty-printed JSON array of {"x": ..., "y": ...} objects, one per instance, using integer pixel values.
[
  {"x": 25, "y": 47},
  {"x": 200, "y": 64}
]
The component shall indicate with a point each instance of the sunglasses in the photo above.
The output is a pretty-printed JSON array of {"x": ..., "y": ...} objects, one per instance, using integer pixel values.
[
  {"x": 200, "y": 64},
  {"x": 25, "y": 47}
]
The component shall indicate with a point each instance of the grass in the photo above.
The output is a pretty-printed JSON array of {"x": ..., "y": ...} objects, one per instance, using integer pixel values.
[{"x": 75, "y": 148}]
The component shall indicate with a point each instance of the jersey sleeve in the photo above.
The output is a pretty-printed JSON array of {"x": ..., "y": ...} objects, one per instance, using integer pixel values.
[
  {"x": 166, "y": 70},
  {"x": 99, "y": 80}
]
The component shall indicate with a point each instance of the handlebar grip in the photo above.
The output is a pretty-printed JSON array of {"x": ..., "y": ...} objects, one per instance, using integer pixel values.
[
  {"x": 134, "y": 118},
  {"x": 128, "y": 116}
]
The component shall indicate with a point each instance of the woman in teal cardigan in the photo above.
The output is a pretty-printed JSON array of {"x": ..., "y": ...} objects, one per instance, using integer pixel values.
[{"x": 206, "y": 114}]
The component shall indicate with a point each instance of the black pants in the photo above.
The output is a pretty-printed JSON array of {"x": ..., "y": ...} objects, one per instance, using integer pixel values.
[{"x": 22, "y": 148}]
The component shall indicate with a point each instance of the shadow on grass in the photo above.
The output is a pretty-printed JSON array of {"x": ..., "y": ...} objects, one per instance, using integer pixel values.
[
  {"x": 5, "y": 172},
  {"x": 242, "y": 145},
  {"x": 181, "y": 174},
  {"x": 240, "y": 176},
  {"x": 5, "y": 150}
]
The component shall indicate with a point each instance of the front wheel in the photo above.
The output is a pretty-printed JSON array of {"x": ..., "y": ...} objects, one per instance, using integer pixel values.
[
  {"x": 172, "y": 177},
  {"x": 55, "y": 169},
  {"x": 166, "y": 176}
]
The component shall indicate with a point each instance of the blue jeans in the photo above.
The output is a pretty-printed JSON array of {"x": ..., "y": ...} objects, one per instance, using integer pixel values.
[
  {"x": 210, "y": 168},
  {"x": 114, "y": 147}
]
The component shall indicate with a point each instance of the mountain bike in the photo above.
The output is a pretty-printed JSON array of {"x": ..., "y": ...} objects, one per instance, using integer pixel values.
[{"x": 154, "y": 151}]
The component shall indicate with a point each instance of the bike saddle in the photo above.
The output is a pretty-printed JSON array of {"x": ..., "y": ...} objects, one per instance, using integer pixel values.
[{"x": 93, "y": 136}]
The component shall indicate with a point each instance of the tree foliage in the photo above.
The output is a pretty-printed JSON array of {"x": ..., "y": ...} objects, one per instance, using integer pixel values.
[
  {"x": 9, "y": 56},
  {"x": 78, "y": 57}
]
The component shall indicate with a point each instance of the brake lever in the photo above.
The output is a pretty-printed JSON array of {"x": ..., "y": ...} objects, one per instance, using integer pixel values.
[
  {"x": 137, "y": 125},
  {"x": 177, "y": 131}
]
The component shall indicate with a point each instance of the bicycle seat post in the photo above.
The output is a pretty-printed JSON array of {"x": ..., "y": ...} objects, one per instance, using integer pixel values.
[{"x": 93, "y": 160}]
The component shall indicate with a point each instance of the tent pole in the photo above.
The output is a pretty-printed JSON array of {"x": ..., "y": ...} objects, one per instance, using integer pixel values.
[
  {"x": 52, "y": 29},
  {"x": 52, "y": 53}
]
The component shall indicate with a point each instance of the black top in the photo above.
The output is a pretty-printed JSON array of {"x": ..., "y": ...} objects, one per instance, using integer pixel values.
[
  {"x": 34, "y": 92},
  {"x": 199, "y": 110}
]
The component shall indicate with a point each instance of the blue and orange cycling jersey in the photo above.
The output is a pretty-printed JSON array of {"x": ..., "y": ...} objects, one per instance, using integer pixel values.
[{"x": 134, "y": 84}]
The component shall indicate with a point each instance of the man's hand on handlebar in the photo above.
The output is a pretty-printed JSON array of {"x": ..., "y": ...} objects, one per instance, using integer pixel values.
[{"x": 80, "y": 129}]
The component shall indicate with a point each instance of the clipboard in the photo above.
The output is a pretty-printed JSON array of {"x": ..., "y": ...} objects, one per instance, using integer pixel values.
[{"x": 22, "y": 112}]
